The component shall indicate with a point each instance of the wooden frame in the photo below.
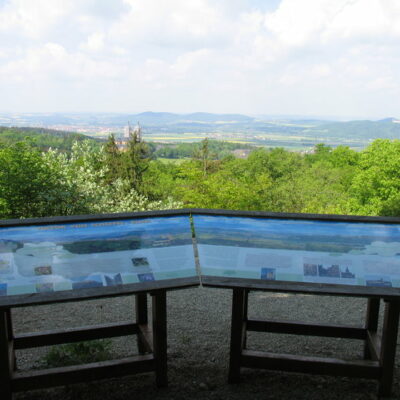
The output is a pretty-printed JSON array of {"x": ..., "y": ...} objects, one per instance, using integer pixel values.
[
  {"x": 91, "y": 293},
  {"x": 152, "y": 345},
  {"x": 379, "y": 353},
  {"x": 151, "y": 335}
]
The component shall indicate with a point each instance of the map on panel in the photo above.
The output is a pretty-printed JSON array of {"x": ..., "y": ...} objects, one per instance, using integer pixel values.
[
  {"x": 351, "y": 253},
  {"x": 47, "y": 258}
]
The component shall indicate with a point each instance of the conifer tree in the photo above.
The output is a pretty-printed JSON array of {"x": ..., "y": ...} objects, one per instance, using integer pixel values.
[
  {"x": 113, "y": 160},
  {"x": 136, "y": 161}
]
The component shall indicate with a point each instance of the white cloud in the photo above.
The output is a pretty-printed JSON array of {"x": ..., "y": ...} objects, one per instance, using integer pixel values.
[
  {"x": 337, "y": 56},
  {"x": 300, "y": 23},
  {"x": 32, "y": 18},
  {"x": 321, "y": 70},
  {"x": 52, "y": 62},
  {"x": 95, "y": 42}
]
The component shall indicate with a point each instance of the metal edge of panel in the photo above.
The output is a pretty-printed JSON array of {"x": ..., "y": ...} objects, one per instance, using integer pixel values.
[
  {"x": 64, "y": 296},
  {"x": 197, "y": 211},
  {"x": 300, "y": 287},
  {"x": 92, "y": 217},
  {"x": 299, "y": 216}
]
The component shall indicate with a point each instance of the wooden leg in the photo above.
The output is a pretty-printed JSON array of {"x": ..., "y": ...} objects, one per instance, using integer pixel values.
[
  {"x": 237, "y": 331},
  {"x": 141, "y": 318},
  {"x": 5, "y": 359},
  {"x": 159, "y": 302},
  {"x": 11, "y": 339},
  {"x": 388, "y": 346},
  {"x": 245, "y": 316},
  {"x": 371, "y": 324}
]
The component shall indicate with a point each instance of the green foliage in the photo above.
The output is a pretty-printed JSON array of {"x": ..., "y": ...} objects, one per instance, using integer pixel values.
[
  {"x": 34, "y": 184},
  {"x": 29, "y": 186},
  {"x": 78, "y": 353},
  {"x": 43, "y": 139},
  {"x": 113, "y": 159},
  {"x": 135, "y": 161},
  {"x": 376, "y": 186},
  {"x": 92, "y": 179},
  {"x": 218, "y": 148},
  {"x": 87, "y": 170}
]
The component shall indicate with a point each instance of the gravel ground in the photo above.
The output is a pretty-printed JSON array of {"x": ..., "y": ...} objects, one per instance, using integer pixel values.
[{"x": 198, "y": 347}]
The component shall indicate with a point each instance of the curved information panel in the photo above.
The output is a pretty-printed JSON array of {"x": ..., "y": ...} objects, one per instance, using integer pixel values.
[
  {"x": 297, "y": 250},
  {"x": 91, "y": 254},
  {"x": 155, "y": 251}
]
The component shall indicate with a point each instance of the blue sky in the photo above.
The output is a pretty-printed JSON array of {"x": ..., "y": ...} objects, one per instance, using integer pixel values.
[
  {"x": 36, "y": 234},
  {"x": 298, "y": 227},
  {"x": 309, "y": 57}
]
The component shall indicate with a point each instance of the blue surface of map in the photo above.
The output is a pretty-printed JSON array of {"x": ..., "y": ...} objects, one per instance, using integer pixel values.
[
  {"x": 68, "y": 256},
  {"x": 349, "y": 253}
]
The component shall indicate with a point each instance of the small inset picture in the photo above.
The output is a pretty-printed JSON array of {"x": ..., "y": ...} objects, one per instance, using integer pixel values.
[
  {"x": 140, "y": 262},
  {"x": 146, "y": 277},
  {"x": 113, "y": 280},
  {"x": 4, "y": 265},
  {"x": 268, "y": 274},
  {"x": 43, "y": 270},
  {"x": 44, "y": 287},
  {"x": 330, "y": 272},
  {"x": 3, "y": 289},
  {"x": 378, "y": 280},
  {"x": 346, "y": 273},
  {"x": 310, "y": 269},
  {"x": 87, "y": 283}
]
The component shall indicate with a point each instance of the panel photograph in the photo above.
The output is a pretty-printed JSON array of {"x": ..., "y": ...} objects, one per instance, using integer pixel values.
[
  {"x": 69, "y": 256},
  {"x": 344, "y": 253}
]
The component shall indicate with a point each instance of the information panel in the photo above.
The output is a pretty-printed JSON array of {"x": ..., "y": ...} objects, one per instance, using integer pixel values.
[
  {"x": 68, "y": 256},
  {"x": 345, "y": 253}
]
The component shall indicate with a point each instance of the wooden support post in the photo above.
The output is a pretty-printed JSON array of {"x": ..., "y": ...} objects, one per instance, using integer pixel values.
[
  {"x": 141, "y": 318},
  {"x": 237, "y": 331},
  {"x": 6, "y": 368},
  {"x": 245, "y": 316},
  {"x": 371, "y": 325},
  {"x": 11, "y": 339},
  {"x": 159, "y": 302},
  {"x": 388, "y": 346}
]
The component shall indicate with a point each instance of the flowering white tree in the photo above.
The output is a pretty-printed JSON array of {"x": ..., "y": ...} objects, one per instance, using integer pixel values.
[{"x": 84, "y": 172}]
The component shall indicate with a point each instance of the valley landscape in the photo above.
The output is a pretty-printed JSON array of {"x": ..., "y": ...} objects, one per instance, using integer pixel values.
[{"x": 291, "y": 133}]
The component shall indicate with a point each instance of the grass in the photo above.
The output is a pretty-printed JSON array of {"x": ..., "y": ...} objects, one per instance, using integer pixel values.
[
  {"x": 78, "y": 353},
  {"x": 172, "y": 160}
]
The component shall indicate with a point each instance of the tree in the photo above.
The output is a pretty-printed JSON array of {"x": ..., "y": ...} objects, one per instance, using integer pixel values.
[
  {"x": 204, "y": 156},
  {"x": 376, "y": 185},
  {"x": 29, "y": 186},
  {"x": 113, "y": 159},
  {"x": 136, "y": 161}
]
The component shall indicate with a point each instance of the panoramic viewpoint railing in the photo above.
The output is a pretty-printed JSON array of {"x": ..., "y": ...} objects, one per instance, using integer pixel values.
[{"x": 61, "y": 259}]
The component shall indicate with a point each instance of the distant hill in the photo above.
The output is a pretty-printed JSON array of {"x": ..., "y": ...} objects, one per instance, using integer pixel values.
[
  {"x": 388, "y": 128},
  {"x": 42, "y": 138},
  {"x": 298, "y": 134},
  {"x": 115, "y": 119}
]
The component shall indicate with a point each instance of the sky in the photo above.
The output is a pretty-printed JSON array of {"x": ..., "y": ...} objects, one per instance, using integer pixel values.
[
  {"x": 300, "y": 227},
  {"x": 256, "y": 57}
]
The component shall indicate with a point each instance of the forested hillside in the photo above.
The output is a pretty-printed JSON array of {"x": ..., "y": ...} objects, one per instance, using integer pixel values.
[
  {"x": 218, "y": 149},
  {"x": 95, "y": 179},
  {"x": 42, "y": 138}
]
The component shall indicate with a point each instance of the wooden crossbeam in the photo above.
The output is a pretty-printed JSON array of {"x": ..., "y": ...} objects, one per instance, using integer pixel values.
[
  {"x": 70, "y": 335},
  {"x": 81, "y": 373},
  {"x": 301, "y": 328},
  {"x": 314, "y": 365}
]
